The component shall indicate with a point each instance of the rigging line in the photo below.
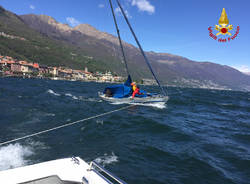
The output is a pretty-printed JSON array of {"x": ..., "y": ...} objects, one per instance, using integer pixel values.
[
  {"x": 139, "y": 45},
  {"x": 65, "y": 125},
  {"x": 119, "y": 36}
]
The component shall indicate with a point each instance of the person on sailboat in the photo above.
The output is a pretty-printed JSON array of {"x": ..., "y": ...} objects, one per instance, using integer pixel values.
[
  {"x": 108, "y": 93},
  {"x": 136, "y": 90}
]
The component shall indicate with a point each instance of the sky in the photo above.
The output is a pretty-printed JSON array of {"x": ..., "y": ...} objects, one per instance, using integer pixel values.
[{"x": 177, "y": 27}]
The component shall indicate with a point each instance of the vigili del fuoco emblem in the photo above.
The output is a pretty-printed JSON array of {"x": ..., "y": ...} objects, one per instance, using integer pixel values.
[{"x": 223, "y": 29}]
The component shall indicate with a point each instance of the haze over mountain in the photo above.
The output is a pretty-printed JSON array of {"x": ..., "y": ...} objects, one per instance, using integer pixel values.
[{"x": 86, "y": 46}]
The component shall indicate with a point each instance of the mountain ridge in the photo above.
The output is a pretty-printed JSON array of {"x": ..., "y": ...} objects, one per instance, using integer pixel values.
[{"x": 105, "y": 49}]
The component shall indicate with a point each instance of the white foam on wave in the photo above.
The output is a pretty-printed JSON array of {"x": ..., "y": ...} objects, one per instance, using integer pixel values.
[
  {"x": 36, "y": 145},
  {"x": 49, "y": 114},
  {"x": 99, "y": 122},
  {"x": 107, "y": 159},
  {"x": 53, "y": 93},
  {"x": 159, "y": 105},
  {"x": 36, "y": 116},
  {"x": 90, "y": 99},
  {"x": 68, "y": 94},
  {"x": 33, "y": 120},
  {"x": 74, "y": 97},
  {"x": 14, "y": 155},
  {"x": 225, "y": 104}
]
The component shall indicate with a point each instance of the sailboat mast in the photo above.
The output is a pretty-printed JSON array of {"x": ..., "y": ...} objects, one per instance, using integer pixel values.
[
  {"x": 139, "y": 45},
  {"x": 120, "y": 41}
]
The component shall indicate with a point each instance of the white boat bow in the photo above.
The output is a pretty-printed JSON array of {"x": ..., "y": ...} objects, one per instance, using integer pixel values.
[{"x": 62, "y": 171}]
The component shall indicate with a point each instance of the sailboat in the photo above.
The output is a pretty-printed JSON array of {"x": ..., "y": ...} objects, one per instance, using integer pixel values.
[
  {"x": 122, "y": 93},
  {"x": 75, "y": 170}
]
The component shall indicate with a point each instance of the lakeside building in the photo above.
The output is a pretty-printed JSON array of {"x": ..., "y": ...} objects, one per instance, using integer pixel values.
[
  {"x": 79, "y": 74},
  {"x": 17, "y": 68},
  {"x": 107, "y": 77},
  {"x": 43, "y": 70},
  {"x": 54, "y": 71},
  {"x": 149, "y": 82}
]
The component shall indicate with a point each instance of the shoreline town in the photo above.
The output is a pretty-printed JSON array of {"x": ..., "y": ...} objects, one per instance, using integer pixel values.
[{"x": 10, "y": 67}]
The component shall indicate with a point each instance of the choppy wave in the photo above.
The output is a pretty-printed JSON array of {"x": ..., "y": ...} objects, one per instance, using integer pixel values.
[
  {"x": 199, "y": 132},
  {"x": 72, "y": 96},
  {"x": 68, "y": 94},
  {"x": 99, "y": 122},
  {"x": 17, "y": 155},
  {"x": 53, "y": 93},
  {"x": 14, "y": 155},
  {"x": 36, "y": 145},
  {"x": 82, "y": 98},
  {"x": 107, "y": 159},
  {"x": 35, "y": 116},
  {"x": 159, "y": 105},
  {"x": 89, "y": 99},
  {"x": 49, "y": 114}
]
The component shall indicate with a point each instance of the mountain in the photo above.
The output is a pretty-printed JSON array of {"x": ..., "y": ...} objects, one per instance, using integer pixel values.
[
  {"x": 99, "y": 45},
  {"x": 84, "y": 45},
  {"x": 170, "y": 68},
  {"x": 19, "y": 40}
]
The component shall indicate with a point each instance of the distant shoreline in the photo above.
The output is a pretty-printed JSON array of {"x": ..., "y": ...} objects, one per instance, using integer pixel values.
[
  {"x": 97, "y": 81},
  {"x": 55, "y": 78}
]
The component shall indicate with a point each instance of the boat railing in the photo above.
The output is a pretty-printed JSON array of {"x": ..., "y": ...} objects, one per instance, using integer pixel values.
[{"x": 94, "y": 165}]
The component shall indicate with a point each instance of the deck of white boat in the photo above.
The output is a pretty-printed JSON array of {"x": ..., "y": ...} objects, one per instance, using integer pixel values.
[
  {"x": 50, "y": 180},
  {"x": 62, "y": 171}
]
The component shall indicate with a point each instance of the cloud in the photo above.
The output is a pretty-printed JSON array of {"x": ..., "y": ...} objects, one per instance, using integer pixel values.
[
  {"x": 32, "y": 7},
  {"x": 143, "y": 5},
  {"x": 101, "y": 6},
  {"x": 72, "y": 21},
  {"x": 243, "y": 68},
  {"x": 119, "y": 12}
]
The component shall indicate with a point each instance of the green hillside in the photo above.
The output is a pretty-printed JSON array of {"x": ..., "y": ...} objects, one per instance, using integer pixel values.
[{"x": 28, "y": 44}]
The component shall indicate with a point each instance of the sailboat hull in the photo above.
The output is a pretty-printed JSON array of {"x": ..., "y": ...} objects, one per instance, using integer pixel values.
[{"x": 136, "y": 100}]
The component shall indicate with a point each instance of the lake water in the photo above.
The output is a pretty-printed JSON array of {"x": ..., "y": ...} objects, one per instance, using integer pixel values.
[{"x": 201, "y": 136}]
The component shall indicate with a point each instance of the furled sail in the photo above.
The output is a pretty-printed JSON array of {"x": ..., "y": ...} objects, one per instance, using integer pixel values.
[{"x": 119, "y": 90}]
